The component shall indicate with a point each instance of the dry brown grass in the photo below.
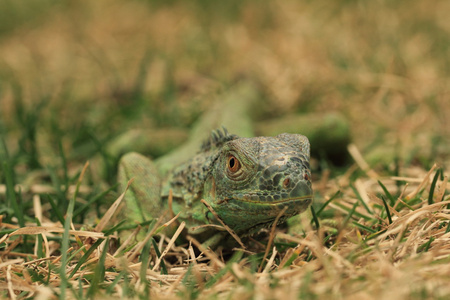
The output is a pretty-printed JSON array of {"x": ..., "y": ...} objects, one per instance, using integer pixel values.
[{"x": 406, "y": 257}]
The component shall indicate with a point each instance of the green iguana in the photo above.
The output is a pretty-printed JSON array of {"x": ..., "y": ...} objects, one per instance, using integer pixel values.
[{"x": 247, "y": 182}]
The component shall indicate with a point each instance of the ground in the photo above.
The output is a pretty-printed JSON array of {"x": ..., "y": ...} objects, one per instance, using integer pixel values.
[{"x": 77, "y": 76}]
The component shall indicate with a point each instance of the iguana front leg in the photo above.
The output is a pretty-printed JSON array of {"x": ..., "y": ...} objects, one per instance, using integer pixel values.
[{"x": 143, "y": 199}]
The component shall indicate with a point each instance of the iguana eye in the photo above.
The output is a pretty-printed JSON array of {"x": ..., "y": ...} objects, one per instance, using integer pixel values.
[{"x": 233, "y": 164}]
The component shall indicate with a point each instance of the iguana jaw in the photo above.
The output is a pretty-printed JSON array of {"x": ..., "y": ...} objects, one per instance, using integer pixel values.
[
  {"x": 249, "y": 210},
  {"x": 263, "y": 210},
  {"x": 244, "y": 215}
]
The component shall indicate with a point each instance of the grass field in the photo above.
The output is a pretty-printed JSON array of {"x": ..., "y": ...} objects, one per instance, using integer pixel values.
[{"x": 77, "y": 75}]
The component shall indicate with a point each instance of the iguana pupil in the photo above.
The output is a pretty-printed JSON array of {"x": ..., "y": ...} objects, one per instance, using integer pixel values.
[{"x": 233, "y": 164}]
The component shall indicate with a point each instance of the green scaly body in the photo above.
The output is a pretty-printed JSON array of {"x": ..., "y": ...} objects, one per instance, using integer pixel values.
[{"x": 247, "y": 181}]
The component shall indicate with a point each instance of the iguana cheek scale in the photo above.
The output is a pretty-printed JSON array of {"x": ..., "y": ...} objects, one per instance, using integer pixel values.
[{"x": 247, "y": 181}]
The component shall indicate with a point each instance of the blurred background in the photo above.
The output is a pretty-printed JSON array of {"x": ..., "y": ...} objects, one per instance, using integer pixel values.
[
  {"x": 87, "y": 80},
  {"x": 75, "y": 75}
]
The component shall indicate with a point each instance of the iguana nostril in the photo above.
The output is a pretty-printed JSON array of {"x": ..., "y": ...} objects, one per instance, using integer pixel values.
[{"x": 286, "y": 182}]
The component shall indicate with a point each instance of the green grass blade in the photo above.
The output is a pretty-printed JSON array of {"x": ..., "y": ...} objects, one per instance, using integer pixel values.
[
  {"x": 110, "y": 288},
  {"x": 55, "y": 209},
  {"x": 65, "y": 240},
  {"x": 75, "y": 253},
  {"x": 40, "y": 241},
  {"x": 13, "y": 200},
  {"x": 37, "y": 277},
  {"x": 64, "y": 165},
  {"x": 291, "y": 259},
  {"x": 358, "y": 196},
  {"x": 433, "y": 186},
  {"x": 158, "y": 254},
  {"x": 426, "y": 246},
  {"x": 96, "y": 198},
  {"x": 7, "y": 231},
  {"x": 80, "y": 288},
  {"x": 56, "y": 182},
  {"x": 368, "y": 229},
  {"x": 314, "y": 217},
  {"x": 387, "y": 210},
  {"x": 374, "y": 235},
  {"x": 359, "y": 215},
  {"x": 328, "y": 202},
  {"x": 99, "y": 273},
  {"x": 145, "y": 258},
  {"x": 108, "y": 168},
  {"x": 114, "y": 228},
  {"x": 350, "y": 214},
  {"x": 11, "y": 196},
  {"x": 386, "y": 192},
  {"x": 85, "y": 257}
]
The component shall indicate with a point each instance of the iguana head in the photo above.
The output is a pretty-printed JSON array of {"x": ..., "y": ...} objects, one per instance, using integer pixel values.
[{"x": 254, "y": 179}]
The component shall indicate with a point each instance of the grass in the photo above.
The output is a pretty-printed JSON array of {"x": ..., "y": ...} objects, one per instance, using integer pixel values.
[{"x": 77, "y": 77}]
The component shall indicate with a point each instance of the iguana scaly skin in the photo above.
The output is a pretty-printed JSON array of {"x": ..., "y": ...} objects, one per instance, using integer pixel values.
[{"x": 247, "y": 181}]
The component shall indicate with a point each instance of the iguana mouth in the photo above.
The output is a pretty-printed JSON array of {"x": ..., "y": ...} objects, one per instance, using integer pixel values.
[
  {"x": 277, "y": 202},
  {"x": 268, "y": 203}
]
